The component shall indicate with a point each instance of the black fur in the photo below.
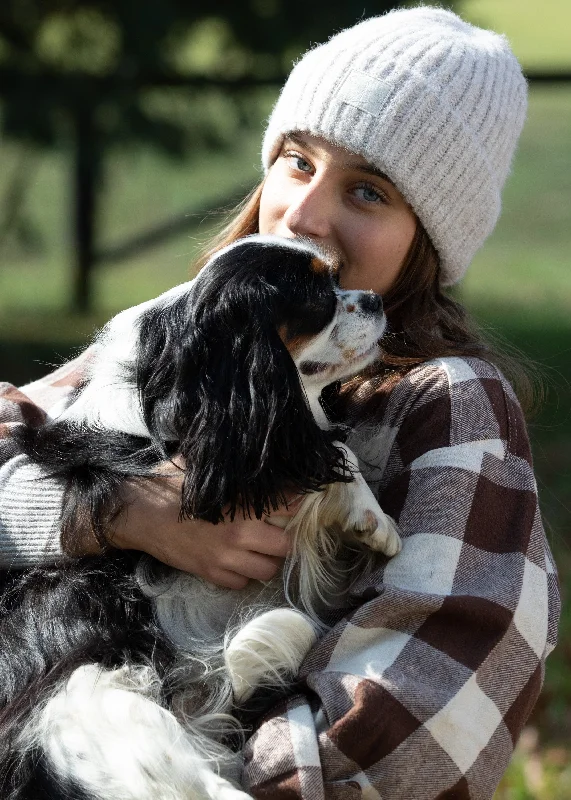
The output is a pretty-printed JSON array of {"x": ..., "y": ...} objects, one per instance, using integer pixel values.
[
  {"x": 215, "y": 370},
  {"x": 53, "y": 620},
  {"x": 217, "y": 384}
]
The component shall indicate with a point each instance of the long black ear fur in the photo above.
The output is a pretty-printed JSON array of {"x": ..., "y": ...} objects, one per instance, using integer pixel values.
[
  {"x": 218, "y": 385},
  {"x": 237, "y": 407}
]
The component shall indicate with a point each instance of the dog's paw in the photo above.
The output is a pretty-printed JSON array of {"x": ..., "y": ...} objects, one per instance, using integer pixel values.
[
  {"x": 377, "y": 531},
  {"x": 367, "y": 522},
  {"x": 218, "y": 788},
  {"x": 356, "y": 511},
  {"x": 268, "y": 651}
]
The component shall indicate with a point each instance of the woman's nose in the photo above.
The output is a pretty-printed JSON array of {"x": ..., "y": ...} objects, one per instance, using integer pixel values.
[{"x": 310, "y": 212}]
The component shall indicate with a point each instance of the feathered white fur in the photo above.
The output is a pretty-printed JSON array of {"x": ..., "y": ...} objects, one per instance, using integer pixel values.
[
  {"x": 106, "y": 730},
  {"x": 268, "y": 650}
]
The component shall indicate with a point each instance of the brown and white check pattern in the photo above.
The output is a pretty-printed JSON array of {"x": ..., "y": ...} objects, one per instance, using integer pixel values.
[{"x": 422, "y": 691}]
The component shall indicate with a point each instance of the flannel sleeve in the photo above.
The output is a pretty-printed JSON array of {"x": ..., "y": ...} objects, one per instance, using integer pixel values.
[
  {"x": 30, "y": 503},
  {"x": 422, "y": 690}
]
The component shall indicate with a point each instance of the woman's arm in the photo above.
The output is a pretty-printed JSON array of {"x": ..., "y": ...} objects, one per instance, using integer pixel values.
[
  {"x": 29, "y": 504},
  {"x": 30, "y": 507},
  {"x": 422, "y": 692}
]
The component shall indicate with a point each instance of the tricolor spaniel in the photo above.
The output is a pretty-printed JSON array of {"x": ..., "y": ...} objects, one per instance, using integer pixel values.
[{"x": 119, "y": 676}]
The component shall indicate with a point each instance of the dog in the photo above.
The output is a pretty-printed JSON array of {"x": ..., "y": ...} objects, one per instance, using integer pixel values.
[{"x": 121, "y": 678}]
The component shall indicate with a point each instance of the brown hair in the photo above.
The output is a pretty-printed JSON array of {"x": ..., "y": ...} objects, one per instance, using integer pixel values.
[{"x": 424, "y": 322}]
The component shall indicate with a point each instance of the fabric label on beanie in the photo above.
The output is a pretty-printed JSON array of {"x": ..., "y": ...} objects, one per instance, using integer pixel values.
[{"x": 364, "y": 92}]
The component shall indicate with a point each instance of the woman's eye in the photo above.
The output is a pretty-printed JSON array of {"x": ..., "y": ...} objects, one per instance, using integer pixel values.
[
  {"x": 298, "y": 162},
  {"x": 370, "y": 194}
]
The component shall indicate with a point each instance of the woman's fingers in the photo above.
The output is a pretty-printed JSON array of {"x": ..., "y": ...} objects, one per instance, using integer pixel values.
[
  {"x": 251, "y": 564},
  {"x": 227, "y": 579},
  {"x": 259, "y": 537},
  {"x": 228, "y": 554}
]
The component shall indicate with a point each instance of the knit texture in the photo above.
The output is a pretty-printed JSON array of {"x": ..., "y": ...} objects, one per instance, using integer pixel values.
[
  {"x": 422, "y": 691},
  {"x": 30, "y": 530},
  {"x": 30, "y": 502},
  {"x": 434, "y": 102}
]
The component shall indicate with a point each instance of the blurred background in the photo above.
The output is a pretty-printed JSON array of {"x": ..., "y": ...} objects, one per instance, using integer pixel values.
[{"x": 127, "y": 129}]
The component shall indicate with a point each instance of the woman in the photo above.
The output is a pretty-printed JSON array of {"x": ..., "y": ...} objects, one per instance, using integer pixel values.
[{"x": 389, "y": 145}]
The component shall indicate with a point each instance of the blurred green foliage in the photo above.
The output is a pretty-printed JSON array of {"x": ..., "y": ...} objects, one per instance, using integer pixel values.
[
  {"x": 538, "y": 31},
  {"x": 58, "y": 57},
  {"x": 95, "y": 72}
]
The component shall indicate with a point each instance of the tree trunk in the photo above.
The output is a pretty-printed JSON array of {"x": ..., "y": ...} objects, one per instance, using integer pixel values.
[{"x": 86, "y": 170}]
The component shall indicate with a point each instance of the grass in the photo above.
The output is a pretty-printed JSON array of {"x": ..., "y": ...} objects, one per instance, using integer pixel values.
[
  {"x": 519, "y": 287},
  {"x": 526, "y": 260},
  {"x": 537, "y": 773},
  {"x": 141, "y": 189}
]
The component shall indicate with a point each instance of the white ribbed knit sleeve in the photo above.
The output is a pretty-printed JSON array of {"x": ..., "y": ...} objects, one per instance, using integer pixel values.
[{"x": 30, "y": 505}]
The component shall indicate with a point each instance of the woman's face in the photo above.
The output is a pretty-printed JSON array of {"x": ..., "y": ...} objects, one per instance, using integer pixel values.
[{"x": 323, "y": 192}]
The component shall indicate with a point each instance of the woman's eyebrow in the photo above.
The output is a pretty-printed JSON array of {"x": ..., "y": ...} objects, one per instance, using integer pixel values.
[
  {"x": 370, "y": 170},
  {"x": 359, "y": 166},
  {"x": 300, "y": 141}
]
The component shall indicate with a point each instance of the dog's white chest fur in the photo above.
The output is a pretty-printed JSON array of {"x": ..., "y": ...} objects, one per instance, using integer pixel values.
[{"x": 197, "y": 615}]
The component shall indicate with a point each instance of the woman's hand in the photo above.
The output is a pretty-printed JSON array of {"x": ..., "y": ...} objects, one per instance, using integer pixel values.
[{"x": 227, "y": 554}]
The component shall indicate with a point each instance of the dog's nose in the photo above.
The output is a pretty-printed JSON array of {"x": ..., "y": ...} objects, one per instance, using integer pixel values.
[{"x": 371, "y": 303}]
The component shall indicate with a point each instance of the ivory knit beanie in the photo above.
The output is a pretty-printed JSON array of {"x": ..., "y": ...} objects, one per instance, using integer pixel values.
[{"x": 434, "y": 102}]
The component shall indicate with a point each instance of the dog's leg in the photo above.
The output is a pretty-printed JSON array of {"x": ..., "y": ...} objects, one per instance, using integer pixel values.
[
  {"x": 349, "y": 509},
  {"x": 268, "y": 650},
  {"x": 104, "y": 733},
  {"x": 360, "y": 515},
  {"x": 218, "y": 788}
]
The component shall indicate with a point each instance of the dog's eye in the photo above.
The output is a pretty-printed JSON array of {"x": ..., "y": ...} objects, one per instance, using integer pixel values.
[
  {"x": 313, "y": 316},
  {"x": 313, "y": 367}
]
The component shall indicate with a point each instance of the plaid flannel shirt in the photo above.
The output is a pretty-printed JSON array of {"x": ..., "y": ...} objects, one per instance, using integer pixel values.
[{"x": 422, "y": 690}]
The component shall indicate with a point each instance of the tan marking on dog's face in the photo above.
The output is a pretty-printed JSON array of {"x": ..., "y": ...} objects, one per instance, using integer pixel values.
[
  {"x": 295, "y": 344},
  {"x": 319, "y": 266},
  {"x": 348, "y": 353}
]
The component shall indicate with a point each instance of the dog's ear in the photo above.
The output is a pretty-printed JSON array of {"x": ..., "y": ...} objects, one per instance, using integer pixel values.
[
  {"x": 227, "y": 389},
  {"x": 251, "y": 436},
  {"x": 166, "y": 345}
]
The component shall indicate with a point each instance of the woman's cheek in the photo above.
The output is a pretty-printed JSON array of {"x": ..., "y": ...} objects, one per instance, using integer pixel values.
[
  {"x": 273, "y": 202},
  {"x": 272, "y": 206}
]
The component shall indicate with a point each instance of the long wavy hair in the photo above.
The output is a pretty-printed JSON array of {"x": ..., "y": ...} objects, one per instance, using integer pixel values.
[{"x": 424, "y": 321}]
